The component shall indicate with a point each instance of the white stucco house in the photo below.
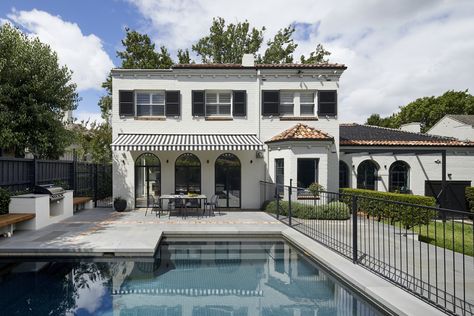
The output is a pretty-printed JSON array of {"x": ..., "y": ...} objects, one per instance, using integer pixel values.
[
  {"x": 458, "y": 126},
  {"x": 219, "y": 129}
]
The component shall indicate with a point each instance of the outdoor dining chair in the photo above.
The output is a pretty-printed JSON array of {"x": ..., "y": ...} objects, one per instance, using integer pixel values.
[
  {"x": 154, "y": 205},
  {"x": 212, "y": 204}
]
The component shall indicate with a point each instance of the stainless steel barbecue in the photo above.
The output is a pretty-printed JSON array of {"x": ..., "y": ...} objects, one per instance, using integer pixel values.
[{"x": 55, "y": 193}]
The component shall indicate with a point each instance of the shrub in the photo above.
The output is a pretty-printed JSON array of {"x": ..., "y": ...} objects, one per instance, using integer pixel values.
[
  {"x": 470, "y": 198},
  {"x": 378, "y": 204},
  {"x": 315, "y": 188},
  {"x": 4, "y": 201},
  {"x": 334, "y": 210}
]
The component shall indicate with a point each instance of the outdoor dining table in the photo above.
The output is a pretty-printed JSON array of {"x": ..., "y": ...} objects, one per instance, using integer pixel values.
[{"x": 185, "y": 198}]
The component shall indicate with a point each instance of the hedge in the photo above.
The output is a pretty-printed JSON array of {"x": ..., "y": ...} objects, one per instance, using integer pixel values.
[
  {"x": 4, "y": 201},
  {"x": 470, "y": 198},
  {"x": 333, "y": 210},
  {"x": 382, "y": 209}
]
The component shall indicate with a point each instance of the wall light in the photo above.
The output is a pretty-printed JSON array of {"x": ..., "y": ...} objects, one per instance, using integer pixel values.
[{"x": 437, "y": 161}]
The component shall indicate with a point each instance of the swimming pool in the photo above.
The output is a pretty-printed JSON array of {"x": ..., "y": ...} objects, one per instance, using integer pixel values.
[{"x": 208, "y": 278}]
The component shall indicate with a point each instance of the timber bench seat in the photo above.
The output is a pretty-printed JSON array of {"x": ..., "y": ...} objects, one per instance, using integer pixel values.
[
  {"x": 81, "y": 202},
  {"x": 12, "y": 219}
]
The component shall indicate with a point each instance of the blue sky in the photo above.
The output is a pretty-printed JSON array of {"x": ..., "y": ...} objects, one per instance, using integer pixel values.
[{"x": 396, "y": 51}]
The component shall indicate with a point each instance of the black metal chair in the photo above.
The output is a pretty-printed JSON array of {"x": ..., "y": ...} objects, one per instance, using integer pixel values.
[{"x": 154, "y": 206}]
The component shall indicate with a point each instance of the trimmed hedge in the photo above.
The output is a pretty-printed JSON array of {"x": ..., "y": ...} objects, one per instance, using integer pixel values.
[
  {"x": 470, "y": 198},
  {"x": 4, "y": 201},
  {"x": 407, "y": 215},
  {"x": 331, "y": 211}
]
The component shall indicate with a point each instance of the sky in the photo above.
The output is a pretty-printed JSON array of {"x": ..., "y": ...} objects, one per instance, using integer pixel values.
[{"x": 396, "y": 51}]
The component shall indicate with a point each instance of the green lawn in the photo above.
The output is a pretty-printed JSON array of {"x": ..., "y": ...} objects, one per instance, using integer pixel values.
[{"x": 427, "y": 234}]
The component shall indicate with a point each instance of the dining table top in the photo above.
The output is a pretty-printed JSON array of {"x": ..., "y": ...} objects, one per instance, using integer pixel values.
[{"x": 181, "y": 196}]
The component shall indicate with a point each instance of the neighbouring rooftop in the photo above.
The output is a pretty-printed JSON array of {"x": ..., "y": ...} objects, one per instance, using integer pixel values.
[
  {"x": 261, "y": 66},
  {"x": 465, "y": 119},
  {"x": 366, "y": 135}
]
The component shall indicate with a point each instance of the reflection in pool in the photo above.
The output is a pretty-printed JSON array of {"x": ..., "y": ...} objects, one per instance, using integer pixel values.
[{"x": 186, "y": 278}]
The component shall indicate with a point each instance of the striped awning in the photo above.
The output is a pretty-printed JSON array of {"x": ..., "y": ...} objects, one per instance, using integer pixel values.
[{"x": 186, "y": 142}]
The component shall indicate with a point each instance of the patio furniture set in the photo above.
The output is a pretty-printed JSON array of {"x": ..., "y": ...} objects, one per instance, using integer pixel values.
[{"x": 181, "y": 203}]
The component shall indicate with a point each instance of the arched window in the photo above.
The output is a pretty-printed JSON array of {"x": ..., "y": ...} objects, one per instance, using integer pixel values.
[
  {"x": 399, "y": 177},
  {"x": 147, "y": 179},
  {"x": 343, "y": 174},
  {"x": 228, "y": 180},
  {"x": 367, "y": 173},
  {"x": 187, "y": 174}
]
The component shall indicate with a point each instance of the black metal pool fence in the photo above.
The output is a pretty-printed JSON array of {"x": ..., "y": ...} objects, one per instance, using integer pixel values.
[
  {"x": 19, "y": 175},
  {"x": 409, "y": 245}
]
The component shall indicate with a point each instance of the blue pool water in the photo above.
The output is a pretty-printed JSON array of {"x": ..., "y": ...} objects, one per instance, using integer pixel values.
[{"x": 199, "y": 278}]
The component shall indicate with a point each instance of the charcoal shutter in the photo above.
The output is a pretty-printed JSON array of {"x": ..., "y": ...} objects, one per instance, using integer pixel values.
[
  {"x": 173, "y": 103},
  {"x": 327, "y": 103},
  {"x": 198, "y": 103},
  {"x": 126, "y": 104},
  {"x": 240, "y": 103},
  {"x": 270, "y": 102}
]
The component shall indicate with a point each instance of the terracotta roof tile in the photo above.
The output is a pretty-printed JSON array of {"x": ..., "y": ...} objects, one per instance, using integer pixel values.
[
  {"x": 367, "y": 135},
  {"x": 300, "y": 132}
]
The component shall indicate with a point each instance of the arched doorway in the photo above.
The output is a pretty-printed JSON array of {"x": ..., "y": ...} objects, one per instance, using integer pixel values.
[
  {"x": 187, "y": 174},
  {"x": 228, "y": 180},
  {"x": 367, "y": 174},
  {"x": 147, "y": 179}
]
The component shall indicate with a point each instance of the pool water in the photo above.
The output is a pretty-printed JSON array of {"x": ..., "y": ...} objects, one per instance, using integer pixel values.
[{"x": 199, "y": 278}]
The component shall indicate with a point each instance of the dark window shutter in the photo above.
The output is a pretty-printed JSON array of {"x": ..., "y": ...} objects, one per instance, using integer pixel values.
[
  {"x": 239, "y": 101},
  {"x": 173, "y": 103},
  {"x": 327, "y": 103},
  {"x": 126, "y": 104},
  {"x": 270, "y": 102},
  {"x": 198, "y": 103}
]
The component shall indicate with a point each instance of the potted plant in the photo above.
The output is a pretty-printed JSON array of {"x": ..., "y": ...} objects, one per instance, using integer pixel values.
[
  {"x": 120, "y": 204},
  {"x": 315, "y": 189}
]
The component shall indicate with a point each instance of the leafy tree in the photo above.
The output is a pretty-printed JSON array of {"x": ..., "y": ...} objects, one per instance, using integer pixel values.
[
  {"x": 376, "y": 120},
  {"x": 429, "y": 110},
  {"x": 35, "y": 91},
  {"x": 280, "y": 48},
  {"x": 183, "y": 56},
  {"x": 228, "y": 43},
  {"x": 318, "y": 56}
]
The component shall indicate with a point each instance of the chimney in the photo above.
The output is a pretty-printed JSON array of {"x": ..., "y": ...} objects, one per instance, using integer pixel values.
[
  {"x": 248, "y": 60},
  {"x": 414, "y": 127}
]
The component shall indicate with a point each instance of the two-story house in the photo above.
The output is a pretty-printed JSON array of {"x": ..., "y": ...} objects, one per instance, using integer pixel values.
[{"x": 222, "y": 128}]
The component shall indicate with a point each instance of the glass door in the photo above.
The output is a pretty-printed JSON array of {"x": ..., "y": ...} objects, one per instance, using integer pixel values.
[
  {"x": 147, "y": 180},
  {"x": 228, "y": 180}
]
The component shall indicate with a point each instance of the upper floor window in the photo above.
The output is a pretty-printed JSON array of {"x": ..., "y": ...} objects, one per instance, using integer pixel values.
[
  {"x": 327, "y": 103},
  {"x": 307, "y": 103},
  {"x": 150, "y": 103},
  {"x": 287, "y": 103},
  {"x": 218, "y": 103}
]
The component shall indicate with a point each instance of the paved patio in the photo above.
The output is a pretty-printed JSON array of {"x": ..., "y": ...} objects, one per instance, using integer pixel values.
[{"x": 102, "y": 231}]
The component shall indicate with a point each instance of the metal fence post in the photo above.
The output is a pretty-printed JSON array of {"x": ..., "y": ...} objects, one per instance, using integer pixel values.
[
  {"x": 277, "y": 195},
  {"x": 289, "y": 201},
  {"x": 354, "y": 229}
]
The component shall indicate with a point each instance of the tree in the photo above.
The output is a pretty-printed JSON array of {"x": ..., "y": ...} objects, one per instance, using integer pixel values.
[
  {"x": 317, "y": 56},
  {"x": 35, "y": 92},
  {"x": 228, "y": 43},
  {"x": 376, "y": 120},
  {"x": 183, "y": 56},
  {"x": 280, "y": 48},
  {"x": 429, "y": 110}
]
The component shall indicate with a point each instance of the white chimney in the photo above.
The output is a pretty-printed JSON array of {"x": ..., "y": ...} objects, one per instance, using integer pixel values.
[
  {"x": 414, "y": 127},
  {"x": 248, "y": 60}
]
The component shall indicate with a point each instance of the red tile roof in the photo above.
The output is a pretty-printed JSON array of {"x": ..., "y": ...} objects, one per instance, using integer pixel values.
[
  {"x": 261, "y": 66},
  {"x": 300, "y": 132},
  {"x": 367, "y": 135}
]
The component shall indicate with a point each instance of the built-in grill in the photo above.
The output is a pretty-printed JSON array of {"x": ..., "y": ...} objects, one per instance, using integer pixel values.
[{"x": 55, "y": 193}]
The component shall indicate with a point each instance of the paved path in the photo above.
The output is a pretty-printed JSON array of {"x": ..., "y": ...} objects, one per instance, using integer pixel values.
[{"x": 98, "y": 231}]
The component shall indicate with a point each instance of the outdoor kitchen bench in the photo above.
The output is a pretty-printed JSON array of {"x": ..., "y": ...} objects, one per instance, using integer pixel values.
[{"x": 12, "y": 219}]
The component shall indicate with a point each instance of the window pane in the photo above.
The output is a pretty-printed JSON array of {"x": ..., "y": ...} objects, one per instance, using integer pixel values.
[
  {"x": 306, "y": 97},
  {"x": 143, "y": 98},
  {"x": 286, "y": 97},
  {"x": 211, "y": 97},
  {"x": 286, "y": 109},
  {"x": 224, "y": 109},
  {"x": 211, "y": 109},
  {"x": 307, "y": 172},
  {"x": 224, "y": 98},
  {"x": 143, "y": 109},
  {"x": 307, "y": 109},
  {"x": 158, "y": 98},
  {"x": 158, "y": 109}
]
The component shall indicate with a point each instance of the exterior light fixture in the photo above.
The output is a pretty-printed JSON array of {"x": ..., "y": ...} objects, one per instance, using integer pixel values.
[{"x": 437, "y": 161}]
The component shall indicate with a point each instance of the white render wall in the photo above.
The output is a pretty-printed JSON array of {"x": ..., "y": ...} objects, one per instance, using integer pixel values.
[
  {"x": 452, "y": 128},
  {"x": 459, "y": 166},
  {"x": 264, "y": 127}
]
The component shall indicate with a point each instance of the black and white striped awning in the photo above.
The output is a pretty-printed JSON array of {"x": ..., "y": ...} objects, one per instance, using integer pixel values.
[{"x": 186, "y": 142}]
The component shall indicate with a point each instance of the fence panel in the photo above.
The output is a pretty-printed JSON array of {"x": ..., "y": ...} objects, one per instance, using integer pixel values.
[{"x": 427, "y": 251}]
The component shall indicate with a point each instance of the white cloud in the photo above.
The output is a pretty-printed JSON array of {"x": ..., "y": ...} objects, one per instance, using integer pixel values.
[
  {"x": 396, "y": 51},
  {"x": 83, "y": 54}
]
